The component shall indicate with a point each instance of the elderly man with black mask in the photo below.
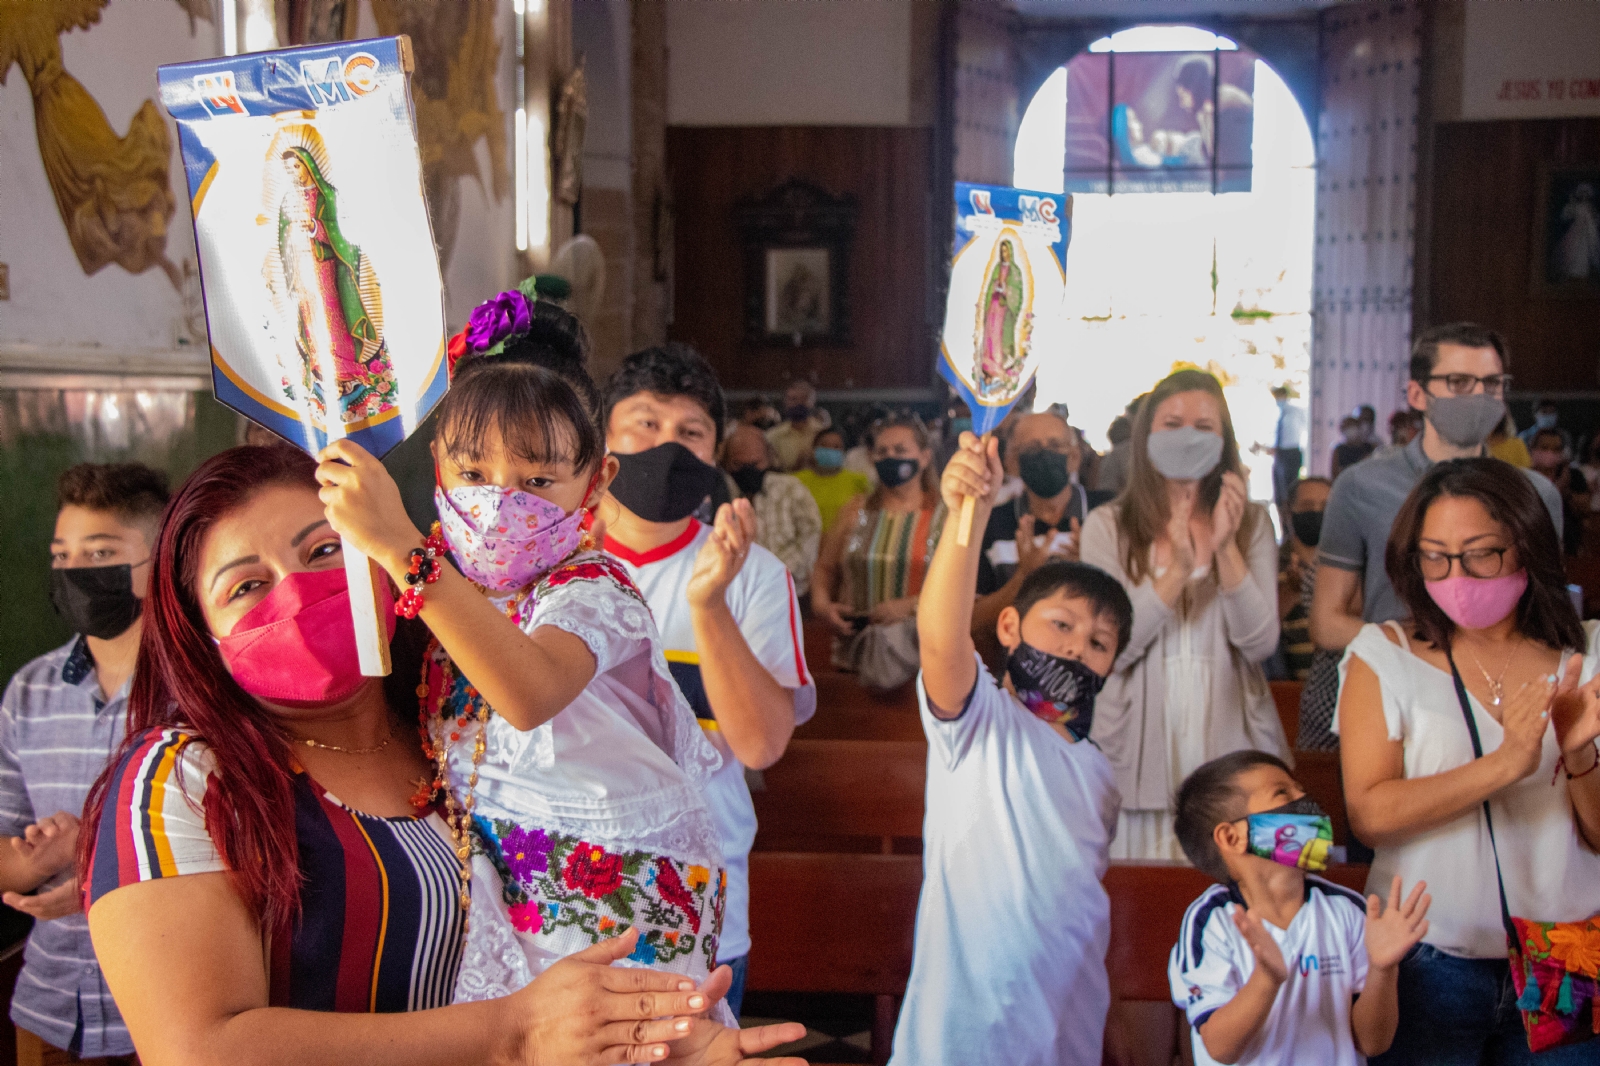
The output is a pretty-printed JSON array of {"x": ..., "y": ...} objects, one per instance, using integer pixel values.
[{"x": 1039, "y": 525}]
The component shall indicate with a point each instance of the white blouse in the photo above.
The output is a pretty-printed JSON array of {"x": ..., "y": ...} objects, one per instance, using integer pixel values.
[{"x": 1550, "y": 875}]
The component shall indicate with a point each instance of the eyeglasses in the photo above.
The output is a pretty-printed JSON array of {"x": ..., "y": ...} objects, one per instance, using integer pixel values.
[
  {"x": 1464, "y": 384},
  {"x": 1478, "y": 562}
]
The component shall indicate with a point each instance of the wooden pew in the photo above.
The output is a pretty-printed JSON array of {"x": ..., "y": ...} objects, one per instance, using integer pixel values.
[
  {"x": 842, "y": 796},
  {"x": 1286, "y": 694},
  {"x": 835, "y": 923}
]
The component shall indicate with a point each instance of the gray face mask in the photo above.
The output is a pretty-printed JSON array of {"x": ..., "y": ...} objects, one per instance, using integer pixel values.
[
  {"x": 1465, "y": 421},
  {"x": 1185, "y": 453}
]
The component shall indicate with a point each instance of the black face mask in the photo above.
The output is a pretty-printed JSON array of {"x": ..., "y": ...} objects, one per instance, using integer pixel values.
[
  {"x": 892, "y": 473},
  {"x": 750, "y": 478},
  {"x": 1044, "y": 472},
  {"x": 1055, "y": 689},
  {"x": 1307, "y": 526},
  {"x": 663, "y": 484},
  {"x": 96, "y": 601}
]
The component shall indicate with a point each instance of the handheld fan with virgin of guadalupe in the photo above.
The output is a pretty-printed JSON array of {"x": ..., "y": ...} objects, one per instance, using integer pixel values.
[
  {"x": 1008, "y": 275},
  {"x": 323, "y": 296}
]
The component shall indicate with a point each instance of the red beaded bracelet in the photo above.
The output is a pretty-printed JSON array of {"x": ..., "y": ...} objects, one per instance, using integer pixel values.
[
  {"x": 1562, "y": 763},
  {"x": 424, "y": 570}
]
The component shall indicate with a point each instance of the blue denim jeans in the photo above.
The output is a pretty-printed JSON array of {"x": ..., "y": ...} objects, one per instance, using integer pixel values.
[
  {"x": 1463, "y": 1012},
  {"x": 735, "y": 997}
]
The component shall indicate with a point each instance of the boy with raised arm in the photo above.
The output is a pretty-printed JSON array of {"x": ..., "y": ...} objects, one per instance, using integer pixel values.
[
  {"x": 1013, "y": 924},
  {"x": 1273, "y": 965}
]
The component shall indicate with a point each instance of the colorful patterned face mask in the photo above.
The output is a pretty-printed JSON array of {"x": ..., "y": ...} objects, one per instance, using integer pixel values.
[
  {"x": 1055, "y": 689},
  {"x": 504, "y": 539},
  {"x": 1297, "y": 834}
]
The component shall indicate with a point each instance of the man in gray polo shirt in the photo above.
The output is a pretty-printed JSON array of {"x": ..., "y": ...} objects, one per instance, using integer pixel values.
[
  {"x": 1458, "y": 381},
  {"x": 62, "y": 716}
]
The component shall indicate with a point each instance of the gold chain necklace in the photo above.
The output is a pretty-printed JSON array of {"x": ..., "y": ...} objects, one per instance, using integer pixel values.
[
  {"x": 1497, "y": 688},
  {"x": 384, "y": 743}
]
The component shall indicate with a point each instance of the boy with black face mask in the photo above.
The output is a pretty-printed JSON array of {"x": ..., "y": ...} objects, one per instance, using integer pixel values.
[
  {"x": 62, "y": 716},
  {"x": 1021, "y": 807},
  {"x": 725, "y": 606},
  {"x": 1273, "y": 965}
]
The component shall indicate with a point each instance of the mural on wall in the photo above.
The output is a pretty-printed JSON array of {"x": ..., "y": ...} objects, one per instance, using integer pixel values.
[
  {"x": 457, "y": 105},
  {"x": 113, "y": 193}
]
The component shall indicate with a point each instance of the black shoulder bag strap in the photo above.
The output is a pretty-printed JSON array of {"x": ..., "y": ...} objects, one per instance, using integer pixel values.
[{"x": 1477, "y": 753}]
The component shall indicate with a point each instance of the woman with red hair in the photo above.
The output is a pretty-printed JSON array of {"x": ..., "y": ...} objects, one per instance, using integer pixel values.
[{"x": 261, "y": 883}]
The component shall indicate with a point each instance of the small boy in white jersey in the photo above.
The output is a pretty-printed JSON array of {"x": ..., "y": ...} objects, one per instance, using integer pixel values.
[
  {"x": 1273, "y": 965},
  {"x": 1013, "y": 922}
]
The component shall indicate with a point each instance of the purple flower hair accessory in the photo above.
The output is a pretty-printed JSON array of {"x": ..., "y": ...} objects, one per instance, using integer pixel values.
[{"x": 493, "y": 321}]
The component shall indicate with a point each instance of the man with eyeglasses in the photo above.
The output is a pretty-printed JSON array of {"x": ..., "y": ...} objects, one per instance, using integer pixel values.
[{"x": 1458, "y": 383}]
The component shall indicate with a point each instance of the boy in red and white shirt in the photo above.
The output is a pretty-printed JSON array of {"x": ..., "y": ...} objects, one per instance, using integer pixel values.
[{"x": 725, "y": 606}]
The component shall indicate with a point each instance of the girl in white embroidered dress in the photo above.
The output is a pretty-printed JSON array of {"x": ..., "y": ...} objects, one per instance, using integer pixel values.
[{"x": 574, "y": 763}]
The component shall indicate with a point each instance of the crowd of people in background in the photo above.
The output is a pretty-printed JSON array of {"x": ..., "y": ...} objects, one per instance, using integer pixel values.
[{"x": 603, "y": 632}]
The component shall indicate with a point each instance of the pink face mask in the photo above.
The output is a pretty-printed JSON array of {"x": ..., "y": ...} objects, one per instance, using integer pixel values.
[
  {"x": 1478, "y": 602},
  {"x": 504, "y": 539},
  {"x": 298, "y": 645}
]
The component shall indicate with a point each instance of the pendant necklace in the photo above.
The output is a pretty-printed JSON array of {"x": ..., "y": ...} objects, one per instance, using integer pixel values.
[{"x": 1497, "y": 688}]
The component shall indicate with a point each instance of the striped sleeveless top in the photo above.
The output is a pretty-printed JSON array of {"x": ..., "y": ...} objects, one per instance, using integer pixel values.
[
  {"x": 886, "y": 555},
  {"x": 381, "y": 927}
]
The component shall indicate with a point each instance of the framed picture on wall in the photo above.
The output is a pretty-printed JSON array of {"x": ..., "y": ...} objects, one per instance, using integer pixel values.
[
  {"x": 1566, "y": 257},
  {"x": 796, "y": 256}
]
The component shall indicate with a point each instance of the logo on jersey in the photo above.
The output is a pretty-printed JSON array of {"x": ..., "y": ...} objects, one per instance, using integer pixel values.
[{"x": 1330, "y": 966}]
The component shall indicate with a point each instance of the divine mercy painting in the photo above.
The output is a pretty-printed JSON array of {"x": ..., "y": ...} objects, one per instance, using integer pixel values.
[{"x": 324, "y": 288}]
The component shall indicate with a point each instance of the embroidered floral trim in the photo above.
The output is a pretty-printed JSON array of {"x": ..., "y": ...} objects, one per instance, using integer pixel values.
[{"x": 553, "y": 881}]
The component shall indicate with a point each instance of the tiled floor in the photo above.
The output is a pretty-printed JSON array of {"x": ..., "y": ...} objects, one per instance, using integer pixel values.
[{"x": 838, "y": 1027}]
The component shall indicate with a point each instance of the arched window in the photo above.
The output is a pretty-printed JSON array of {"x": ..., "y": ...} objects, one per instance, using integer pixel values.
[{"x": 1162, "y": 271}]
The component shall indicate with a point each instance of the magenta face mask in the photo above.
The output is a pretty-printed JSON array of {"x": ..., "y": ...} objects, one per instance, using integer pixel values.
[
  {"x": 504, "y": 539},
  {"x": 298, "y": 645},
  {"x": 1478, "y": 602}
]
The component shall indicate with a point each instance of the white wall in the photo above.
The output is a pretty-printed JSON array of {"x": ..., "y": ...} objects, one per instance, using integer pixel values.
[
  {"x": 57, "y": 317},
  {"x": 1530, "y": 60},
  {"x": 790, "y": 63}
]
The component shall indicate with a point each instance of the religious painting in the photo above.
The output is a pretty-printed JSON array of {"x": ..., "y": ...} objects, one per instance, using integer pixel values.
[
  {"x": 797, "y": 291},
  {"x": 1160, "y": 122},
  {"x": 797, "y": 252},
  {"x": 1567, "y": 232},
  {"x": 1005, "y": 317},
  {"x": 325, "y": 291},
  {"x": 1007, "y": 281},
  {"x": 322, "y": 292}
]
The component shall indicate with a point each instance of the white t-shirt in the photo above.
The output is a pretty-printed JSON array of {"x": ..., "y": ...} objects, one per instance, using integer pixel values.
[
  {"x": 1326, "y": 952},
  {"x": 1013, "y": 923},
  {"x": 597, "y": 818},
  {"x": 1549, "y": 874},
  {"x": 763, "y": 603}
]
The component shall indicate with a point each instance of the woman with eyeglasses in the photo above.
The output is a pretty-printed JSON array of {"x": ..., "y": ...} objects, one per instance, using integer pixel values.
[{"x": 1476, "y": 562}]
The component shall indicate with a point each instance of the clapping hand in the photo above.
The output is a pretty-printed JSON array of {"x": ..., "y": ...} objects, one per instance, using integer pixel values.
[
  {"x": 1394, "y": 930},
  {"x": 49, "y": 845},
  {"x": 1525, "y": 718},
  {"x": 1179, "y": 550},
  {"x": 1576, "y": 710},
  {"x": 723, "y": 554},
  {"x": 1269, "y": 956},
  {"x": 1228, "y": 512}
]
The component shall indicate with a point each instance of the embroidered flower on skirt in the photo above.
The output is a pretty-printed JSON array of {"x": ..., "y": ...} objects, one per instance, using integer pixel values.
[{"x": 561, "y": 886}]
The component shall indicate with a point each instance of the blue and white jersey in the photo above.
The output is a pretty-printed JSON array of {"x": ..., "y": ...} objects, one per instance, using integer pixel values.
[{"x": 1325, "y": 949}]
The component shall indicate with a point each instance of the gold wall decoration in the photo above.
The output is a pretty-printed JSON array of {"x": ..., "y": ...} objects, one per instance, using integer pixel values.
[
  {"x": 456, "y": 99},
  {"x": 572, "y": 120},
  {"x": 114, "y": 193}
]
